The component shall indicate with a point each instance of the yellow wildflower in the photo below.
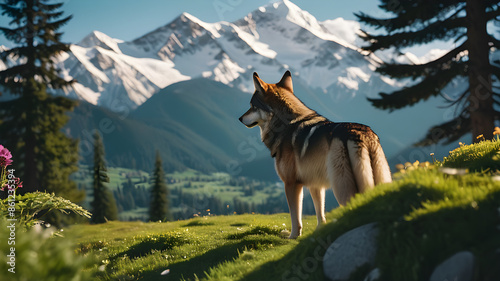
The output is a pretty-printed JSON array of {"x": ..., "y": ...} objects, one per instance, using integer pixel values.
[{"x": 497, "y": 131}]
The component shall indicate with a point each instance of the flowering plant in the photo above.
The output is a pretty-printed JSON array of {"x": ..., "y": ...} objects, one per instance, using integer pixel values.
[
  {"x": 5, "y": 179},
  {"x": 27, "y": 207}
]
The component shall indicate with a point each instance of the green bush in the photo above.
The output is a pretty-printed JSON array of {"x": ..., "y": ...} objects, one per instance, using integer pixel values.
[
  {"x": 30, "y": 206},
  {"x": 38, "y": 255}
]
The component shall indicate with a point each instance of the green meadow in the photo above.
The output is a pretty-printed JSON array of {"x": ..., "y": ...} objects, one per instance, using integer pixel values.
[{"x": 429, "y": 212}]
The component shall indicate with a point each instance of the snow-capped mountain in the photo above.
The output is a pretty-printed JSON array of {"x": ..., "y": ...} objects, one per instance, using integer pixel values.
[{"x": 122, "y": 75}]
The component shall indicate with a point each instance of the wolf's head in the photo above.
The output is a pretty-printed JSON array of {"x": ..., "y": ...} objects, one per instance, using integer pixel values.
[{"x": 268, "y": 100}]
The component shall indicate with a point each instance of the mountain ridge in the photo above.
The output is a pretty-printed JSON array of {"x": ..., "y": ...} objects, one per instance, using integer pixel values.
[{"x": 276, "y": 37}]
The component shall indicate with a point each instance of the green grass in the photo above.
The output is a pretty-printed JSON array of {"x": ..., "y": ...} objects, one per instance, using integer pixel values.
[
  {"x": 189, "y": 249},
  {"x": 425, "y": 216},
  {"x": 480, "y": 157}
]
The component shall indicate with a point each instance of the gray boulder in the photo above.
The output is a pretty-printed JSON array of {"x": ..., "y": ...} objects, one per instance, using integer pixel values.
[
  {"x": 459, "y": 267},
  {"x": 351, "y": 250}
]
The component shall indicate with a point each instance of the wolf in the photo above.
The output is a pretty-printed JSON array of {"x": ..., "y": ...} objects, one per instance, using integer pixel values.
[{"x": 309, "y": 150}]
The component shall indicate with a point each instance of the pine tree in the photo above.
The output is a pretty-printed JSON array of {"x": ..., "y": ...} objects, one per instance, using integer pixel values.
[
  {"x": 104, "y": 204},
  {"x": 31, "y": 123},
  {"x": 421, "y": 22},
  {"x": 159, "y": 206}
]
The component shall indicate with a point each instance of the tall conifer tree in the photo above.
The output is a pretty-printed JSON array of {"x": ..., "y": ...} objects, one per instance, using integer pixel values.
[
  {"x": 31, "y": 122},
  {"x": 420, "y": 22},
  {"x": 159, "y": 206},
  {"x": 104, "y": 204}
]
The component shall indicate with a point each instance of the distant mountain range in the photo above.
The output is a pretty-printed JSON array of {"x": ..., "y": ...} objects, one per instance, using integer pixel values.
[
  {"x": 324, "y": 55},
  {"x": 193, "y": 124},
  {"x": 180, "y": 88}
]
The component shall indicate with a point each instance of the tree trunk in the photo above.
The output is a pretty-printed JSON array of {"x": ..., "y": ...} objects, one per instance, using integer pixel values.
[
  {"x": 481, "y": 110},
  {"x": 31, "y": 183},
  {"x": 30, "y": 163}
]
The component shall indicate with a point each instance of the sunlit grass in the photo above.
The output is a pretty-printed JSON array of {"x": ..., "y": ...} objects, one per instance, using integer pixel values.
[
  {"x": 189, "y": 249},
  {"x": 426, "y": 215}
]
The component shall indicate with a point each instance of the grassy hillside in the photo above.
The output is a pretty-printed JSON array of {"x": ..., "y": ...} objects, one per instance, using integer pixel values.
[
  {"x": 222, "y": 246},
  {"x": 128, "y": 142},
  {"x": 429, "y": 212}
]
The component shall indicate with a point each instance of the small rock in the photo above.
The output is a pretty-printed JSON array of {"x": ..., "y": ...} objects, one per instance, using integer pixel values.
[
  {"x": 373, "y": 275},
  {"x": 351, "y": 250},
  {"x": 459, "y": 267}
]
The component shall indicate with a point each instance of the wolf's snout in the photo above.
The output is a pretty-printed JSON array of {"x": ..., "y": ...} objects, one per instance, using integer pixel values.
[{"x": 241, "y": 119}]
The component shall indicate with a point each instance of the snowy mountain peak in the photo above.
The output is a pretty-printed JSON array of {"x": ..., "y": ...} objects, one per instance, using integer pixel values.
[
  {"x": 285, "y": 10},
  {"x": 273, "y": 38},
  {"x": 290, "y": 11},
  {"x": 179, "y": 33},
  {"x": 97, "y": 38},
  {"x": 211, "y": 27}
]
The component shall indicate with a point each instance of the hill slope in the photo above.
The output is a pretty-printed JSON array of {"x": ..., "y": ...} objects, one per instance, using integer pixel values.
[
  {"x": 132, "y": 144},
  {"x": 424, "y": 217}
]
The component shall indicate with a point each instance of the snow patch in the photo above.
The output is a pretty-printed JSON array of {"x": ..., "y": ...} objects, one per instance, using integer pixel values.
[
  {"x": 97, "y": 38},
  {"x": 345, "y": 30},
  {"x": 210, "y": 27}
]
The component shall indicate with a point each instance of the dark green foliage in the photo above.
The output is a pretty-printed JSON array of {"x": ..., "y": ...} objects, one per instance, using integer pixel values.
[
  {"x": 29, "y": 206},
  {"x": 420, "y": 22},
  {"x": 159, "y": 206},
  {"x": 31, "y": 122},
  {"x": 104, "y": 205}
]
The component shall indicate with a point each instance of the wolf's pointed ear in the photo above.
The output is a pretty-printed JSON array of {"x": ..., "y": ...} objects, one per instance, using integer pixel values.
[
  {"x": 286, "y": 81},
  {"x": 259, "y": 84}
]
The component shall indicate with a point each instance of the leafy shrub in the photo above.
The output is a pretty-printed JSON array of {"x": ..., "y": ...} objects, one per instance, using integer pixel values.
[
  {"x": 40, "y": 256},
  {"x": 29, "y": 205}
]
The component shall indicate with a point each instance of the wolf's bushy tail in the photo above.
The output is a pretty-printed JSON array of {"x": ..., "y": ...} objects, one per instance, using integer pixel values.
[{"x": 380, "y": 167}]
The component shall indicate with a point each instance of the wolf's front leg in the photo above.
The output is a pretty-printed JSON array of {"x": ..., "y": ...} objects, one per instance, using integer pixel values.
[
  {"x": 318, "y": 197},
  {"x": 294, "y": 198}
]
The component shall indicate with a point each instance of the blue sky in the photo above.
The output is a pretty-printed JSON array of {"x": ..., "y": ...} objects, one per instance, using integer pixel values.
[{"x": 129, "y": 19}]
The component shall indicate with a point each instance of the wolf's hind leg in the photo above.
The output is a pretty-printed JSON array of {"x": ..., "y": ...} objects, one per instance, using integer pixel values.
[
  {"x": 318, "y": 197},
  {"x": 361, "y": 166},
  {"x": 340, "y": 172}
]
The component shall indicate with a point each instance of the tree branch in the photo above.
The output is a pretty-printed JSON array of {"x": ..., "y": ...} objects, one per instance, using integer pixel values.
[
  {"x": 430, "y": 86},
  {"x": 417, "y": 70},
  {"x": 443, "y": 30}
]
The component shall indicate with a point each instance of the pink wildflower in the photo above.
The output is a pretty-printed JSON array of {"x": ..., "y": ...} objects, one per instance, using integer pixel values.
[{"x": 5, "y": 157}]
